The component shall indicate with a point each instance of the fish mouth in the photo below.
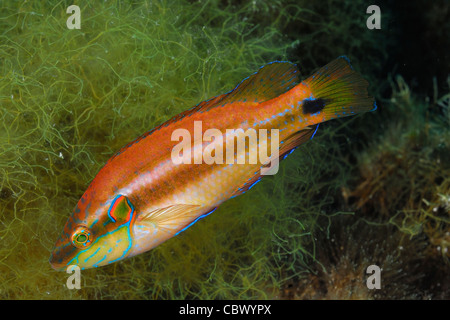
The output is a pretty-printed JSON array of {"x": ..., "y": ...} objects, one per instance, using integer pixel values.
[
  {"x": 56, "y": 260},
  {"x": 56, "y": 265}
]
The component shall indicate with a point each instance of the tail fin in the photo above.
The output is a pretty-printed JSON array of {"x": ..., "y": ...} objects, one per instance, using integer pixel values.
[{"x": 338, "y": 91}]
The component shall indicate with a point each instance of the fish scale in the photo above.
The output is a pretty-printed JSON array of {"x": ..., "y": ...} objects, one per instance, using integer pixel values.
[{"x": 141, "y": 197}]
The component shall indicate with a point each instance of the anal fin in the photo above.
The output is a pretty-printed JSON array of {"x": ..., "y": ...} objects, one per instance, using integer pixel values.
[
  {"x": 247, "y": 185},
  {"x": 287, "y": 147},
  {"x": 296, "y": 140}
]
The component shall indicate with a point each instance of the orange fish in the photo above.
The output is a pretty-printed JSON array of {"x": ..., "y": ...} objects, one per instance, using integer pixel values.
[{"x": 157, "y": 186}]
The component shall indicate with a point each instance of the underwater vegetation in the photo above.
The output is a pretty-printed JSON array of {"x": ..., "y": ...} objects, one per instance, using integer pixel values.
[
  {"x": 409, "y": 169},
  {"x": 69, "y": 99},
  {"x": 402, "y": 205}
]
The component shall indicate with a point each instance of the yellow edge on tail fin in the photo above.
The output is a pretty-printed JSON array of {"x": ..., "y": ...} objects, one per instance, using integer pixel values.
[{"x": 338, "y": 91}]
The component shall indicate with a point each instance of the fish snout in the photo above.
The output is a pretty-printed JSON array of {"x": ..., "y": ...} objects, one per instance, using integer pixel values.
[{"x": 56, "y": 262}]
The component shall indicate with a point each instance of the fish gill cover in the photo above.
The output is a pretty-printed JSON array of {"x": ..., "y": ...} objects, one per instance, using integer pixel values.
[{"x": 69, "y": 99}]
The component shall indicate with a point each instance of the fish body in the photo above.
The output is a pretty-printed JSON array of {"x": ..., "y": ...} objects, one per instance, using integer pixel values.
[{"x": 142, "y": 197}]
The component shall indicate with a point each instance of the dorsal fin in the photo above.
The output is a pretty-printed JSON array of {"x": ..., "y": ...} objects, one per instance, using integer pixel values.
[
  {"x": 287, "y": 147},
  {"x": 268, "y": 82}
]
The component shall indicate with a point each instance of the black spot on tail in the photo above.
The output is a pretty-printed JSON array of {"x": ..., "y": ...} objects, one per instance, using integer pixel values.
[{"x": 313, "y": 106}]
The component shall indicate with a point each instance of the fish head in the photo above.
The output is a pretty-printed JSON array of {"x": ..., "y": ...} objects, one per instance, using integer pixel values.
[{"x": 96, "y": 234}]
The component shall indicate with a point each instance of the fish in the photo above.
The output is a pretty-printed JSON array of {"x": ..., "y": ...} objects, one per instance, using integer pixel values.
[{"x": 144, "y": 196}]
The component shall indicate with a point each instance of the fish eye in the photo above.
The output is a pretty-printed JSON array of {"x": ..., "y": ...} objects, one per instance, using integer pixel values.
[{"x": 82, "y": 237}]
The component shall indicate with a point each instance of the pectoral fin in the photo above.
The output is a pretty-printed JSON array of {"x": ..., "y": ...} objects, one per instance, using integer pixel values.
[{"x": 171, "y": 217}]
